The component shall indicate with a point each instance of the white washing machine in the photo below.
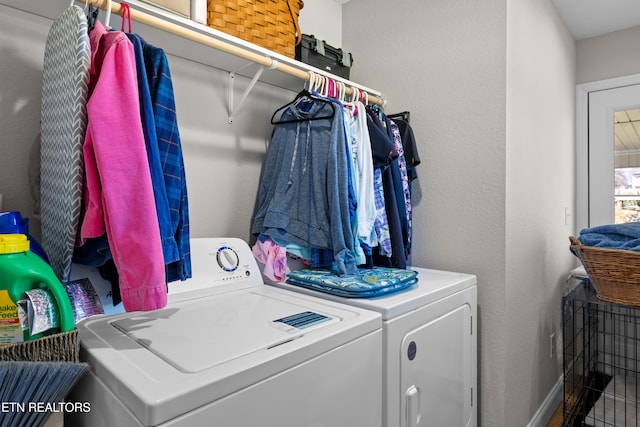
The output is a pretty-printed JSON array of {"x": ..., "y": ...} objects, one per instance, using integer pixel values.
[
  {"x": 229, "y": 351},
  {"x": 429, "y": 349}
]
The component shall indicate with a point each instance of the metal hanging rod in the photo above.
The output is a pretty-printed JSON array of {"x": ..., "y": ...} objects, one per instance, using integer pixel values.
[{"x": 221, "y": 45}]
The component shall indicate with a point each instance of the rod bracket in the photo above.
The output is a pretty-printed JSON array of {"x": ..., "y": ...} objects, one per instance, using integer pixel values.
[{"x": 233, "y": 109}]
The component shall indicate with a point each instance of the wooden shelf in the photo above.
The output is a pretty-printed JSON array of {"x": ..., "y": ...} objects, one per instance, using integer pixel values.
[{"x": 188, "y": 48}]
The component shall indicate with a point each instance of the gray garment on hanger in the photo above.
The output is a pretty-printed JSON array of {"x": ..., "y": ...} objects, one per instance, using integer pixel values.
[{"x": 65, "y": 81}]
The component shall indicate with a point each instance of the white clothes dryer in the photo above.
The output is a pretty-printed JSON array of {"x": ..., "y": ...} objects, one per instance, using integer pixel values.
[
  {"x": 229, "y": 351},
  {"x": 429, "y": 349}
]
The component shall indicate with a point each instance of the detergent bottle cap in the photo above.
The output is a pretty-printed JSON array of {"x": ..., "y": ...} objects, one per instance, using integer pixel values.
[{"x": 13, "y": 243}]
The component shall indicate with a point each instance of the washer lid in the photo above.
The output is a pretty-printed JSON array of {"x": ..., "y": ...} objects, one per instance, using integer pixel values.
[
  {"x": 209, "y": 343},
  {"x": 195, "y": 335}
]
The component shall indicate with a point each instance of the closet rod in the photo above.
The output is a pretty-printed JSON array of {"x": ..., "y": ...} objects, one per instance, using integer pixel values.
[{"x": 189, "y": 34}]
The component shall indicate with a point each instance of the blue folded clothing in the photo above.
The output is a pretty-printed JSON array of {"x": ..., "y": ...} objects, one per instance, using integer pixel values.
[
  {"x": 365, "y": 283},
  {"x": 612, "y": 236}
]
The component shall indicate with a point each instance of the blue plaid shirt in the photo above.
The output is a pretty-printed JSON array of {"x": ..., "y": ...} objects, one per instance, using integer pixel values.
[
  {"x": 170, "y": 150},
  {"x": 167, "y": 231}
]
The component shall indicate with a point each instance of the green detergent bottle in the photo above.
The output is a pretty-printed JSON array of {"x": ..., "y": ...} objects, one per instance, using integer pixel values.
[{"x": 22, "y": 270}]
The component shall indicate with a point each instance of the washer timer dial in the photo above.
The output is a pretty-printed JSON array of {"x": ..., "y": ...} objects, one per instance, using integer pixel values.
[{"x": 227, "y": 258}]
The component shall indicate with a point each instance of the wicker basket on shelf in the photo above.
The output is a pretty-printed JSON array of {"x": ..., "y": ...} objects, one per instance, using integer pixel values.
[
  {"x": 272, "y": 24},
  {"x": 614, "y": 273}
]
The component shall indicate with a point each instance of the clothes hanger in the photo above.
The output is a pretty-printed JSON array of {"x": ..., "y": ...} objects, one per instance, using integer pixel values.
[
  {"x": 325, "y": 86},
  {"x": 342, "y": 92},
  {"x": 107, "y": 17},
  {"x": 317, "y": 79},
  {"x": 378, "y": 111},
  {"x": 349, "y": 101},
  {"x": 317, "y": 87},
  {"x": 301, "y": 97},
  {"x": 339, "y": 91},
  {"x": 126, "y": 14},
  {"x": 321, "y": 85},
  {"x": 405, "y": 116},
  {"x": 311, "y": 81},
  {"x": 355, "y": 94},
  {"x": 312, "y": 77},
  {"x": 331, "y": 88}
]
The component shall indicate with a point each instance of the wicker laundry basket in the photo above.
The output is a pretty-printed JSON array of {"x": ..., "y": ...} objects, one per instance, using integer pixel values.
[
  {"x": 272, "y": 24},
  {"x": 614, "y": 273},
  {"x": 61, "y": 347}
]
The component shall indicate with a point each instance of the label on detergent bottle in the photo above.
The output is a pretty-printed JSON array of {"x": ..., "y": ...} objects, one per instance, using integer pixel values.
[{"x": 10, "y": 327}]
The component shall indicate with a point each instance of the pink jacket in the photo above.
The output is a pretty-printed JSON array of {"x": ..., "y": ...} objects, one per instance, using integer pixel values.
[{"x": 118, "y": 194}]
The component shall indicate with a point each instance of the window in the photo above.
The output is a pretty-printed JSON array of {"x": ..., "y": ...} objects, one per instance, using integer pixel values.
[
  {"x": 608, "y": 152},
  {"x": 627, "y": 166}
]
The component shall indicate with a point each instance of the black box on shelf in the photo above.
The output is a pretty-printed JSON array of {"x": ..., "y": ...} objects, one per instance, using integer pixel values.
[{"x": 321, "y": 55}]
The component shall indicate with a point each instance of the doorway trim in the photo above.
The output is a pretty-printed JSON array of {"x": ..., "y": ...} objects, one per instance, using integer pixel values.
[{"x": 582, "y": 141}]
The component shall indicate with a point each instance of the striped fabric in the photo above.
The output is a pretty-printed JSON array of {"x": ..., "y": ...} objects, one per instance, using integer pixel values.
[{"x": 63, "y": 123}]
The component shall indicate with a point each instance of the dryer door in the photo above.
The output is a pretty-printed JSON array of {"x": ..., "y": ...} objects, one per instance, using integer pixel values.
[{"x": 436, "y": 372}]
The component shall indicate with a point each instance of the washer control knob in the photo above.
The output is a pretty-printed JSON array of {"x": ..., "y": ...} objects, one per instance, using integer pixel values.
[{"x": 227, "y": 258}]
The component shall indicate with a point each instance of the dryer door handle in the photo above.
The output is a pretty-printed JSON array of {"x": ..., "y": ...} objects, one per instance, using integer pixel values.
[{"x": 413, "y": 406}]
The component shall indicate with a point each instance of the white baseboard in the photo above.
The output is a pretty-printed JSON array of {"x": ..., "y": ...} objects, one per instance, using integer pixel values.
[{"x": 546, "y": 410}]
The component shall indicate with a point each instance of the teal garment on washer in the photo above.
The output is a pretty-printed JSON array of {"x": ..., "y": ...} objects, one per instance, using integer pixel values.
[
  {"x": 67, "y": 58},
  {"x": 364, "y": 283}
]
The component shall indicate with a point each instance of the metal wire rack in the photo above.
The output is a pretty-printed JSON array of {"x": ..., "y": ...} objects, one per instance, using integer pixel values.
[{"x": 600, "y": 360}]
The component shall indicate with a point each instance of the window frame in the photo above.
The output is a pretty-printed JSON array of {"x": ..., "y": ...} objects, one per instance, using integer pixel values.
[{"x": 582, "y": 141}]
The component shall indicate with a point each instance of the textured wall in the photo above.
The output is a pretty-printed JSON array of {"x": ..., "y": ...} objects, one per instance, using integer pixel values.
[
  {"x": 540, "y": 189},
  {"x": 22, "y": 51},
  {"x": 445, "y": 62},
  {"x": 607, "y": 56},
  {"x": 491, "y": 91},
  {"x": 323, "y": 19}
]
